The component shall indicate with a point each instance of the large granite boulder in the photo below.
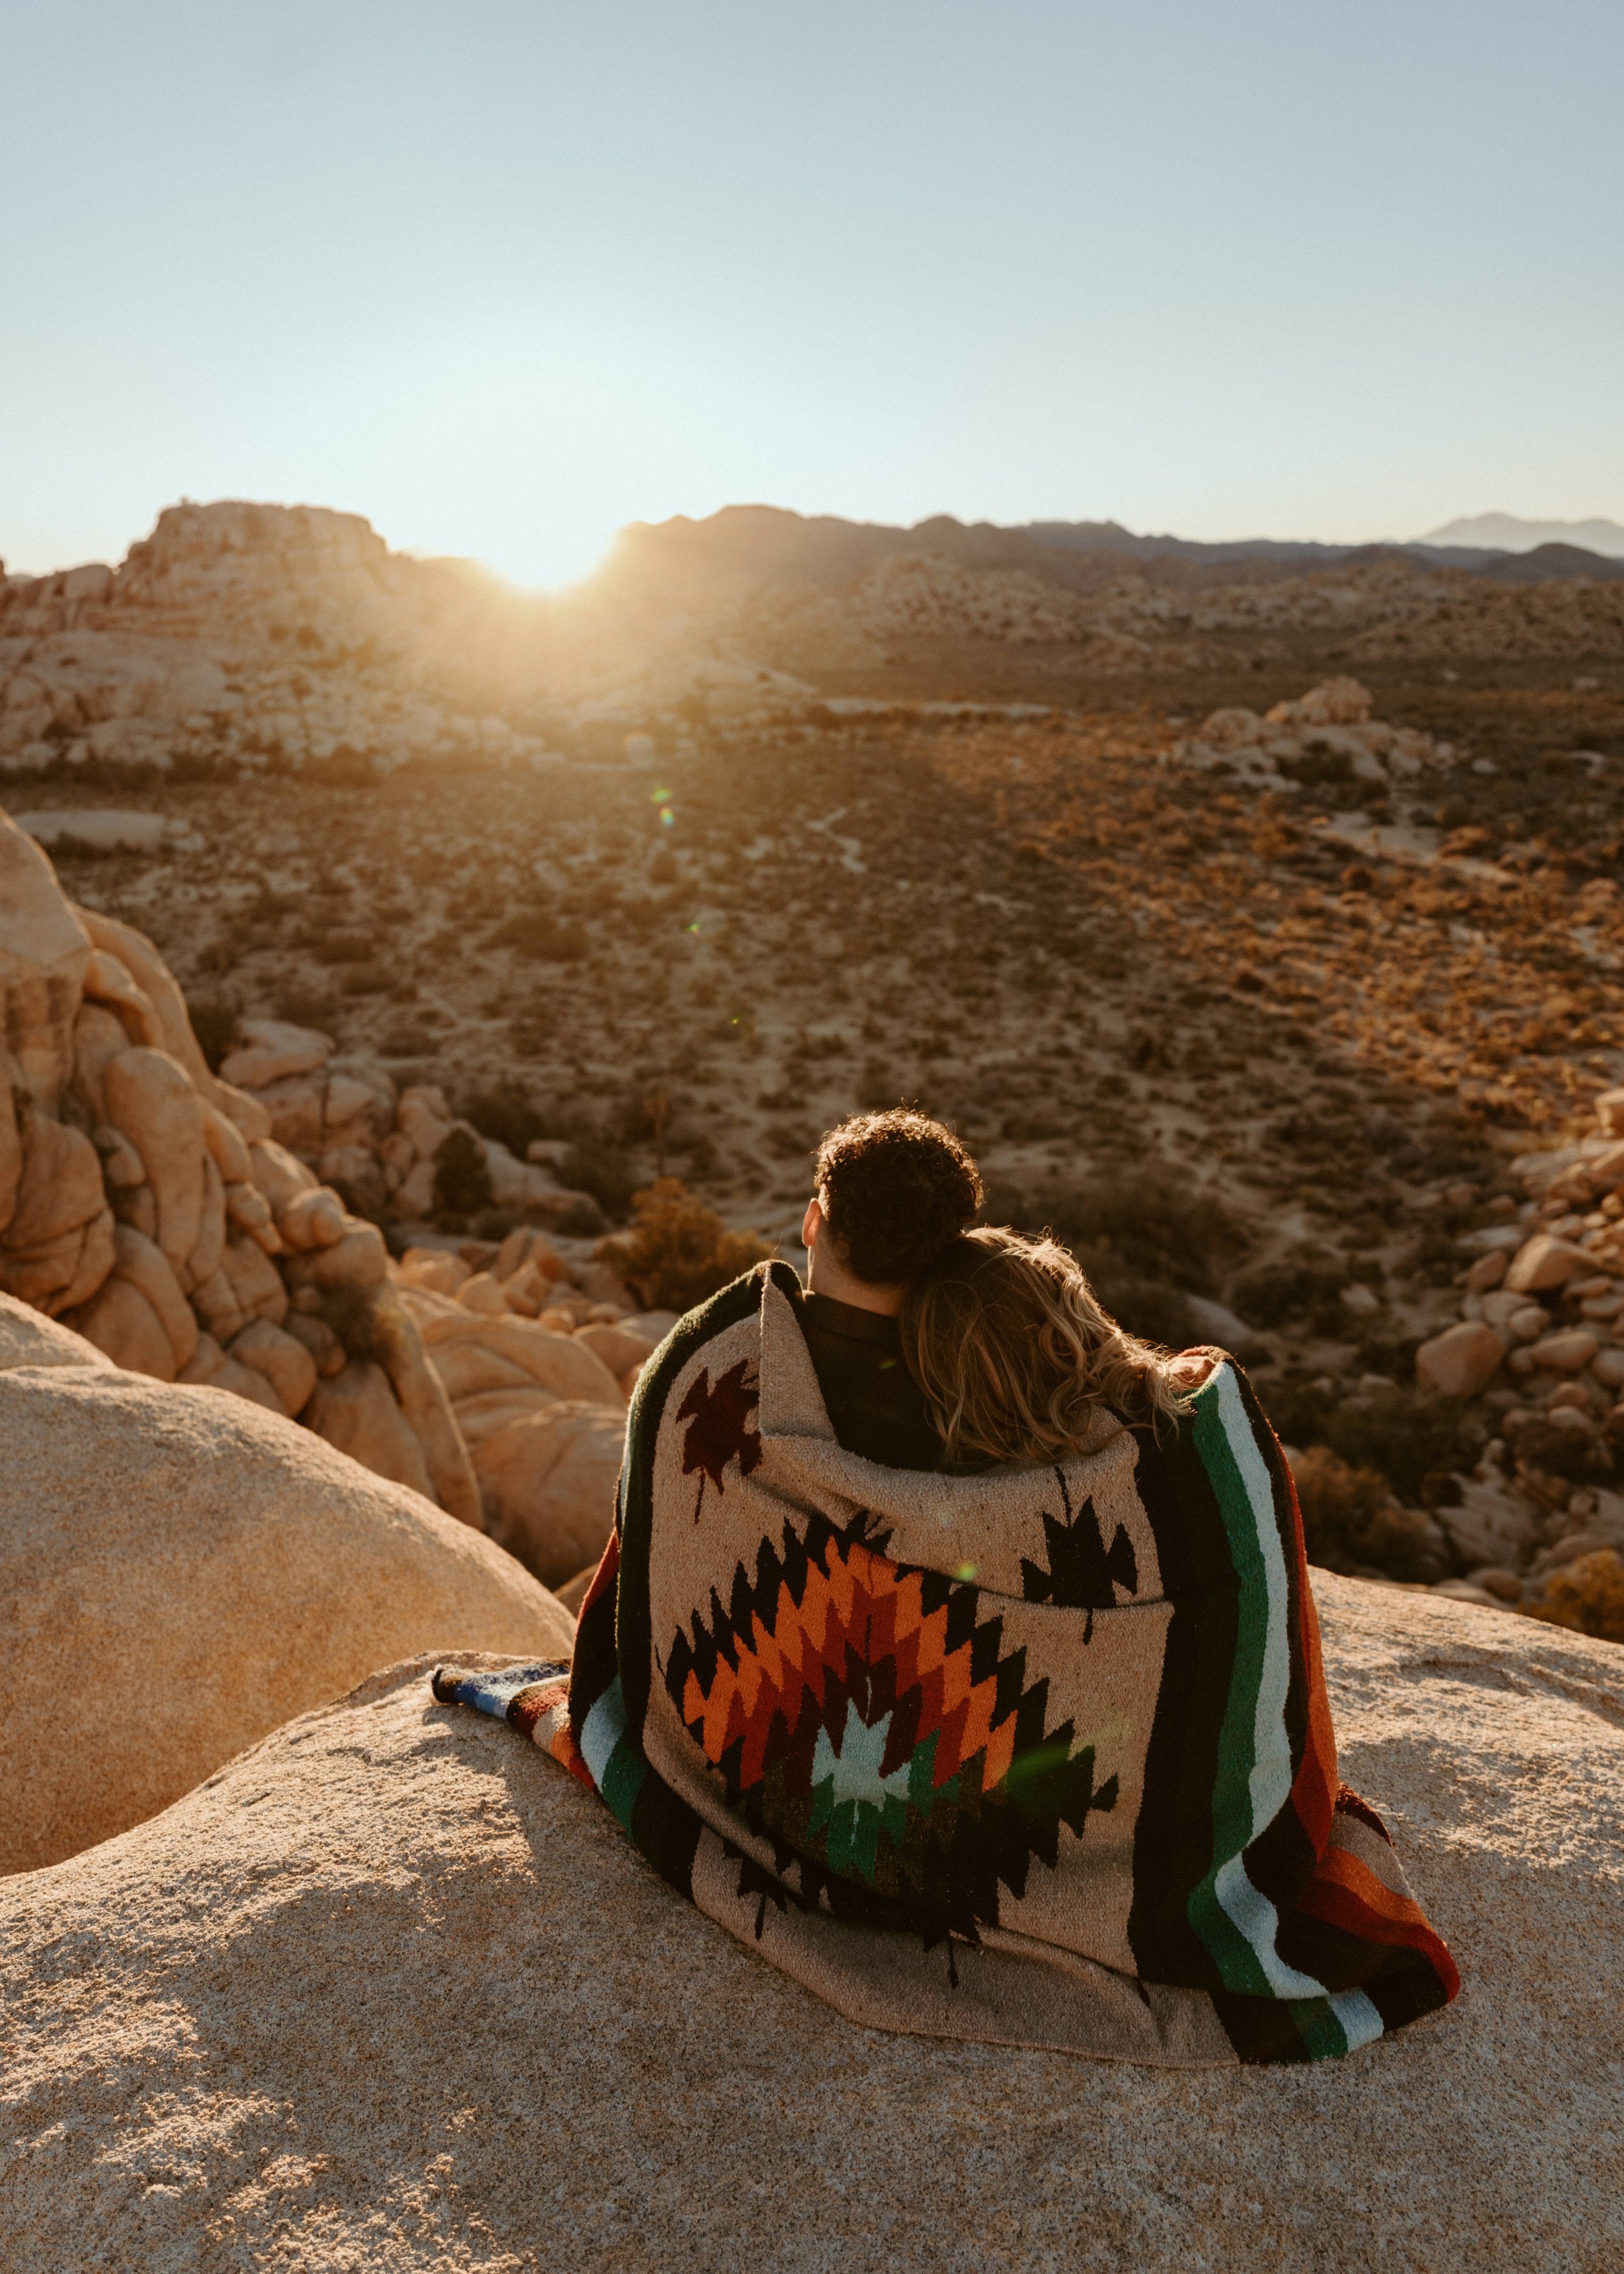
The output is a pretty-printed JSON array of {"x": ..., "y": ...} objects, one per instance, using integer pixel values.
[
  {"x": 181, "y": 1570},
  {"x": 393, "y": 1991}
]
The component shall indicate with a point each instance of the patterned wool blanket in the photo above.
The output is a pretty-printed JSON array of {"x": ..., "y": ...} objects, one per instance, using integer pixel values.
[{"x": 1040, "y": 1756}]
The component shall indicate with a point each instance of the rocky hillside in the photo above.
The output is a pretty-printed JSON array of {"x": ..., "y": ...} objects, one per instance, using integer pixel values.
[{"x": 291, "y": 639}]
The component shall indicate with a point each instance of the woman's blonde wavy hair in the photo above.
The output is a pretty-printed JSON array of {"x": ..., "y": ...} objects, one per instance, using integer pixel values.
[{"x": 1018, "y": 1360}]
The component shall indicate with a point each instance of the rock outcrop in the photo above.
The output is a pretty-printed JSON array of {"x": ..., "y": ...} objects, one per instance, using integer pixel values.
[
  {"x": 301, "y": 2017},
  {"x": 200, "y": 647},
  {"x": 182, "y": 1571},
  {"x": 147, "y": 1204},
  {"x": 178, "y": 1221},
  {"x": 1330, "y": 726}
]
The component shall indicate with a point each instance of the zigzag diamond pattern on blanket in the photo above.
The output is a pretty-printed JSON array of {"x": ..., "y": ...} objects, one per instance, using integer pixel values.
[{"x": 864, "y": 1714}]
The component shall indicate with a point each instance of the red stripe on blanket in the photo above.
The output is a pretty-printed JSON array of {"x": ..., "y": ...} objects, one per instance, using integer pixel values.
[
  {"x": 567, "y": 1754},
  {"x": 1346, "y": 1893},
  {"x": 607, "y": 1572},
  {"x": 1314, "y": 1788}
]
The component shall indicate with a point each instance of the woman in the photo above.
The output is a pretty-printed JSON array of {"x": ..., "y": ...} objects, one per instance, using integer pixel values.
[{"x": 1019, "y": 1362}]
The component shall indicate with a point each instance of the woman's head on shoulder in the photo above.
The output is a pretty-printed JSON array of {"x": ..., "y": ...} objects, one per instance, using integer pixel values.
[{"x": 1020, "y": 1362}]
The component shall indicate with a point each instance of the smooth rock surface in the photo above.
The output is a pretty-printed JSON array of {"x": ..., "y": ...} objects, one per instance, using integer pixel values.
[
  {"x": 1461, "y": 1361},
  {"x": 271, "y": 1049},
  {"x": 394, "y": 1993},
  {"x": 556, "y": 1363},
  {"x": 181, "y": 1571},
  {"x": 355, "y": 1410},
  {"x": 1544, "y": 1263},
  {"x": 548, "y": 1478},
  {"x": 28, "y": 1337}
]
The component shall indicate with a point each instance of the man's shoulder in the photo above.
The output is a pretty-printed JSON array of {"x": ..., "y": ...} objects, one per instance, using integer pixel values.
[{"x": 730, "y": 1307}]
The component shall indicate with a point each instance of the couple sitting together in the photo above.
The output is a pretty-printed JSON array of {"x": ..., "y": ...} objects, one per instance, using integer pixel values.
[{"x": 954, "y": 1649}]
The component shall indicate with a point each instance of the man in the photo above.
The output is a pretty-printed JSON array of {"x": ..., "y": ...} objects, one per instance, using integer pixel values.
[{"x": 890, "y": 1190}]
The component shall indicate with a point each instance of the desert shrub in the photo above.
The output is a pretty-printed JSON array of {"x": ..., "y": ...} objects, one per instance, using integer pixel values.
[
  {"x": 1306, "y": 1286},
  {"x": 1350, "y": 1520},
  {"x": 304, "y": 1006},
  {"x": 603, "y": 1171},
  {"x": 339, "y": 946},
  {"x": 1412, "y": 1440},
  {"x": 343, "y": 768},
  {"x": 1579, "y": 1454},
  {"x": 407, "y": 1038},
  {"x": 366, "y": 1329},
  {"x": 678, "y": 1251},
  {"x": 462, "y": 1176},
  {"x": 1140, "y": 1224},
  {"x": 366, "y": 979},
  {"x": 1146, "y": 1248},
  {"x": 537, "y": 932},
  {"x": 1320, "y": 767},
  {"x": 1148, "y": 1307},
  {"x": 1035, "y": 1125},
  {"x": 1587, "y": 1596},
  {"x": 1383, "y": 1349},
  {"x": 507, "y": 1112},
  {"x": 214, "y": 1021}
]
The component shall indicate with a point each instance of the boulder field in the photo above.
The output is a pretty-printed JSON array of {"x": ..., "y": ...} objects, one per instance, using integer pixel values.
[
  {"x": 391, "y": 1991},
  {"x": 181, "y": 1570},
  {"x": 178, "y": 1221}
]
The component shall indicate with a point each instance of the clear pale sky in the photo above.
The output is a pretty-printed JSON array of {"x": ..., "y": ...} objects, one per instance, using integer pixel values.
[{"x": 503, "y": 274}]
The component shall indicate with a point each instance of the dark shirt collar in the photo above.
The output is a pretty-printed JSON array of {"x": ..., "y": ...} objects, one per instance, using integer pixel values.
[{"x": 851, "y": 1322}]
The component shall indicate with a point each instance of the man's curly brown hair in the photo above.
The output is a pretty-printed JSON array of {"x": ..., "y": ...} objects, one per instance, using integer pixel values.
[{"x": 895, "y": 1188}]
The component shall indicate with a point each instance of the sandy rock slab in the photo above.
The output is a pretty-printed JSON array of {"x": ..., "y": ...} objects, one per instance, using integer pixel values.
[{"x": 391, "y": 1991}]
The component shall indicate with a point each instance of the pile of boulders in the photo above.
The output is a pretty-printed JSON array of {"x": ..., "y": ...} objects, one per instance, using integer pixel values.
[
  {"x": 539, "y": 1372},
  {"x": 195, "y": 1228},
  {"x": 1332, "y": 720},
  {"x": 376, "y": 1146},
  {"x": 1541, "y": 1341}
]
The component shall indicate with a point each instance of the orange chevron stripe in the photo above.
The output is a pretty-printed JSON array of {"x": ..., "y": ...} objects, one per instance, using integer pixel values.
[{"x": 862, "y": 1614}]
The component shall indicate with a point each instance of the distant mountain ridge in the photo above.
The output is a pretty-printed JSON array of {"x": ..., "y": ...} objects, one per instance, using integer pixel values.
[
  {"x": 759, "y": 545},
  {"x": 1507, "y": 533}
]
